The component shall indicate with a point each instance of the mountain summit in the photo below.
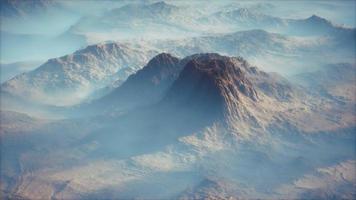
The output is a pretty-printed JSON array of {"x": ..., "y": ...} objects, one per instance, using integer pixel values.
[
  {"x": 156, "y": 11},
  {"x": 147, "y": 85},
  {"x": 212, "y": 85}
]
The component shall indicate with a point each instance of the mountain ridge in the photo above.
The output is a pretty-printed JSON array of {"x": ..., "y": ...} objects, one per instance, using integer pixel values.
[
  {"x": 146, "y": 85},
  {"x": 78, "y": 73}
]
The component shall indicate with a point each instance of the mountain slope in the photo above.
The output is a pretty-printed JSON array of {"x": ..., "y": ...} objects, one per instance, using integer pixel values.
[
  {"x": 335, "y": 81},
  {"x": 209, "y": 89},
  {"x": 316, "y": 25},
  {"x": 221, "y": 130},
  {"x": 69, "y": 79},
  {"x": 199, "y": 89},
  {"x": 155, "y": 11},
  {"x": 214, "y": 80},
  {"x": 146, "y": 86},
  {"x": 251, "y": 43},
  {"x": 245, "y": 18},
  {"x": 165, "y": 73},
  {"x": 155, "y": 20},
  {"x": 271, "y": 51}
]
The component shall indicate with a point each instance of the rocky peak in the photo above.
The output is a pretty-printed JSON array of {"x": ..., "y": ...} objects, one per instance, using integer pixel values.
[
  {"x": 102, "y": 49},
  {"x": 158, "y": 69},
  {"x": 163, "y": 60},
  {"x": 315, "y": 18},
  {"x": 160, "y": 4},
  {"x": 85, "y": 70},
  {"x": 212, "y": 84},
  {"x": 148, "y": 84},
  {"x": 317, "y": 22},
  {"x": 223, "y": 72},
  {"x": 137, "y": 11}
]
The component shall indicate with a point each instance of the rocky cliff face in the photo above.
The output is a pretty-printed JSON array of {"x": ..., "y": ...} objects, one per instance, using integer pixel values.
[{"x": 212, "y": 86}]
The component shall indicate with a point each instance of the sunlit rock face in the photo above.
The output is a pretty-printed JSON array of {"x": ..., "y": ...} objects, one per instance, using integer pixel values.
[
  {"x": 72, "y": 78},
  {"x": 211, "y": 77},
  {"x": 177, "y": 100},
  {"x": 211, "y": 84},
  {"x": 213, "y": 119}
]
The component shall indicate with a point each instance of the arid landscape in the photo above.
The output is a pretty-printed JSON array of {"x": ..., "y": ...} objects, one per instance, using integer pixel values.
[{"x": 178, "y": 99}]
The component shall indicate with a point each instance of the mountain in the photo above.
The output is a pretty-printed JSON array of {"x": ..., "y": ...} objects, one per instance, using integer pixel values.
[
  {"x": 219, "y": 128},
  {"x": 129, "y": 17},
  {"x": 271, "y": 51},
  {"x": 155, "y": 11},
  {"x": 202, "y": 88},
  {"x": 175, "y": 79},
  {"x": 214, "y": 80},
  {"x": 316, "y": 25},
  {"x": 254, "y": 45},
  {"x": 183, "y": 21},
  {"x": 242, "y": 43},
  {"x": 184, "y": 96},
  {"x": 210, "y": 118},
  {"x": 69, "y": 79},
  {"x": 166, "y": 74},
  {"x": 226, "y": 90},
  {"x": 150, "y": 21},
  {"x": 147, "y": 85},
  {"x": 244, "y": 18}
]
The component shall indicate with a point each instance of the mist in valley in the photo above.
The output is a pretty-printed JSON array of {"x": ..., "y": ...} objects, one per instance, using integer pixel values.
[{"x": 177, "y": 99}]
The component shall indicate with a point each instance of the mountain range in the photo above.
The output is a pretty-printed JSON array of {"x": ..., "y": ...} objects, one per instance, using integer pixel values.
[
  {"x": 142, "y": 21},
  {"x": 244, "y": 18},
  {"x": 94, "y": 68},
  {"x": 208, "y": 110},
  {"x": 177, "y": 100},
  {"x": 186, "y": 21},
  {"x": 68, "y": 79}
]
